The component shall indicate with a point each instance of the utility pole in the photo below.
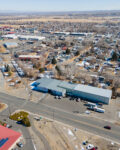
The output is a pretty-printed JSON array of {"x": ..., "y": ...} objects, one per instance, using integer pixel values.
[
  {"x": 53, "y": 115},
  {"x": 9, "y": 110}
]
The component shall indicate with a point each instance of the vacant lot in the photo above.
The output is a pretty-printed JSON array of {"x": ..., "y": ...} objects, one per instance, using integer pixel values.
[{"x": 62, "y": 137}]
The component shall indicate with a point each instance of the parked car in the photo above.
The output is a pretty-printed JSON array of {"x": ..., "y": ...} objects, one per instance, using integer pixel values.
[
  {"x": 77, "y": 99},
  {"x": 87, "y": 112},
  {"x": 15, "y": 149},
  {"x": 85, "y": 143},
  {"x": 90, "y": 147},
  {"x": 20, "y": 144},
  {"x": 9, "y": 126},
  {"x": 37, "y": 118},
  {"x": 19, "y": 122},
  {"x": 71, "y": 98},
  {"x": 107, "y": 127},
  {"x": 59, "y": 97},
  {"x": 56, "y": 97}
]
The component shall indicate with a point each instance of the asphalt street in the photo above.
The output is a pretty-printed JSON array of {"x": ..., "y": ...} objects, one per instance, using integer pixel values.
[
  {"x": 28, "y": 145},
  {"x": 89, "y": 124}
]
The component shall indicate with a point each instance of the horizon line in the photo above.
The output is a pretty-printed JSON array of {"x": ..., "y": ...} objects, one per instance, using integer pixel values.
[{"x": 33, "y": 11}]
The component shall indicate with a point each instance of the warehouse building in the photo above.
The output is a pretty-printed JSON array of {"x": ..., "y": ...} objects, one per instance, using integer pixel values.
[
  {"x": 23, "y": 37},
  {"x": 30, "y": 37},
  {"x": 10, "y": 36},
  {"x": 10, "y": 45},
  {"x": 62, "y": 88}
]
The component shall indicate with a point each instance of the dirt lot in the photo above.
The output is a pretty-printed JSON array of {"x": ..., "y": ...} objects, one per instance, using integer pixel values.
[{"x": 62, "y": 137}]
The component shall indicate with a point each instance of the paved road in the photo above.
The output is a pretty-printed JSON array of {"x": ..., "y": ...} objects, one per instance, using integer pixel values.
[
  {"x": 28, "y": 140},
  {"x": 89, "y": 124}
]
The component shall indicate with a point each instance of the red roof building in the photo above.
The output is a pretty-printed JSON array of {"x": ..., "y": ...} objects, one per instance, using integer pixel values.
[
  {"x": 11, "y": 33},
  {"x": 64, "y": 48},
  {"x": 8, "y": 138}
]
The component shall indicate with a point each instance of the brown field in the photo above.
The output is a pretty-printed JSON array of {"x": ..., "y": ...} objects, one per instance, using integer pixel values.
[
  {"x": 65, "y": 19},
  {"x": 14, "y": 26},
  {"x": 63, "y": 137}
]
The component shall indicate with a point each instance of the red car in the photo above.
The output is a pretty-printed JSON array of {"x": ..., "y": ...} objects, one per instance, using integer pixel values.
[
  {"x": 93, "y": 148},
  {"x": 107, "y": 127}
]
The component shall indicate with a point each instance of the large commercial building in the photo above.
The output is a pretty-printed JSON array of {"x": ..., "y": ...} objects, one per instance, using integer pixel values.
[
  {"x": 23, "y": 37},
  {"x": 8, "y": 138},
  {"x": 30, "y": 37},
  {"x": 10, "y": 45},
  {"x": 61, "y": 88},
  {"x": 10, "y": 36}
]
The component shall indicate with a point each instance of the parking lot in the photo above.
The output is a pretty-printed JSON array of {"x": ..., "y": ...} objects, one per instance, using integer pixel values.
[
  {"x": 72, "y": 106},
  {"x": 66, "y": 104}
]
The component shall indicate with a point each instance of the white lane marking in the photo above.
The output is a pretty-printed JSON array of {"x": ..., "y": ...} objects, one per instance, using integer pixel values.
[
  {"x": 119, "y": 114},
  {"x": 34, "y": 145}
]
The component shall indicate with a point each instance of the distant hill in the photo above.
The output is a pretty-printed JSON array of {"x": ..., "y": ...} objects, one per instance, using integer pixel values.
[{"x": 70, "y": 13}]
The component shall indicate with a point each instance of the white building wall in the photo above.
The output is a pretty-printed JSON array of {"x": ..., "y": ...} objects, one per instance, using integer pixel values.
[
  {"x": 13, "y": 146},
  {"x": 88, "y": 96}
]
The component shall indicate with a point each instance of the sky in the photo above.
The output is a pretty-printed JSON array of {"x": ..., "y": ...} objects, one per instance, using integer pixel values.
[{"x": 59, "y": 5}]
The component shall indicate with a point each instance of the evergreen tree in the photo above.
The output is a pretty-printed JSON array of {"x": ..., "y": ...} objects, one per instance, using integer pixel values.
[
  {"x": 114, "y": 56},
  {"x": 54, "y": 61},
  {"x": 77, "y": 53},
  {"x": 26, "y": 122},
  {"x": 67, "y": 51}
]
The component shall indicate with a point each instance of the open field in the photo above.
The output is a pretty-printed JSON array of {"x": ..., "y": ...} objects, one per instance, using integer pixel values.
[
  {"x": 13, "y": 26},
  {"x": 83, "y": 19},
  {"x": 62, "y": 137},
  {"x": 86, "y": 20}
]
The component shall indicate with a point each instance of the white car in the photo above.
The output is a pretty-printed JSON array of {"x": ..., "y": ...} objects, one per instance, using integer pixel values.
[
  {"x": 89, "y": 147},
  {"x": 78, "y": 100},
  {"x": 37, "y": 118},
  {"x": 87, "y": 112}
]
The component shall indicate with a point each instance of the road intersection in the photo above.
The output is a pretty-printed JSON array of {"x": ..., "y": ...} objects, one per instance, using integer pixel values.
[{"x": 89, "y": 124}]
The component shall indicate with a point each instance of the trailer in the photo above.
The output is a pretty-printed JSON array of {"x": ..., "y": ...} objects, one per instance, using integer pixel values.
[
  {"x": 91, "y": 104},
  {"x": 100, "y": 110},
  {"x": 96, "y": 109}
]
